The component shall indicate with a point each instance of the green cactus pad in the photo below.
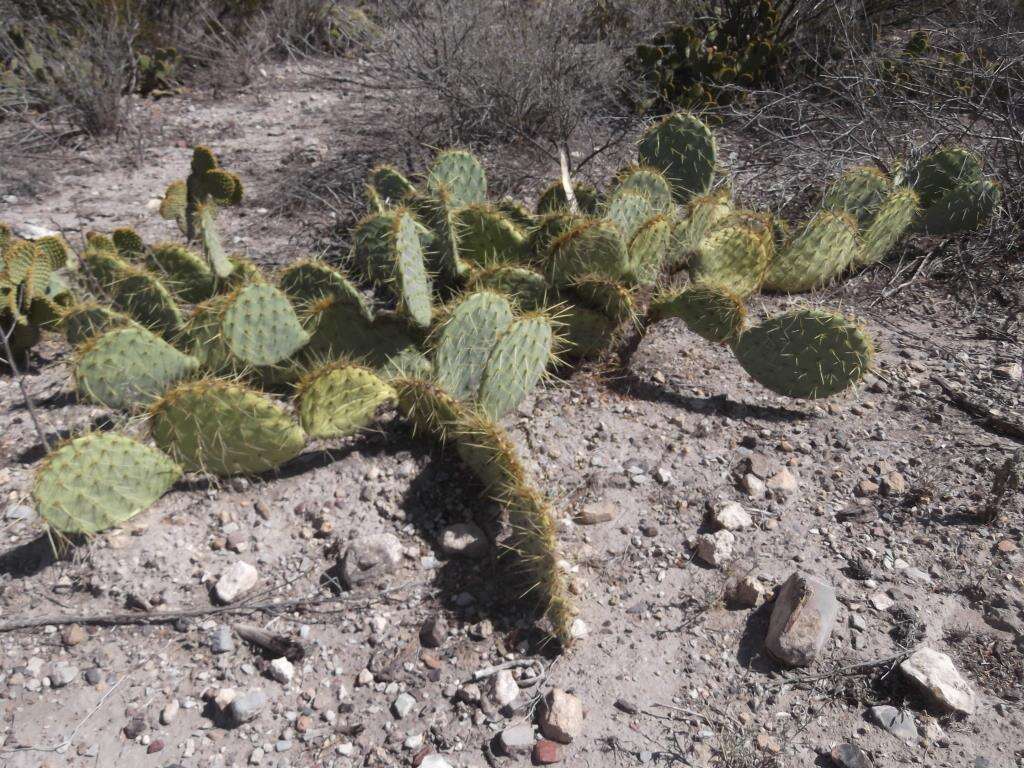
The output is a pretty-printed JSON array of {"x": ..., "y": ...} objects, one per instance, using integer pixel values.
[
  {"x": 371, "y": 249},
  {"x": 436, "y": 213},
  {"x": 683, "y": 149},
  {"x": 201, "y": 335},
  {"x": 703, "y": 213},
  {"x": 83, "y": 321},
  {"x": 307, "y": 282},
  {"x": 939, "y": 173},
  {"x": 819, "y": 253},
  {"x": 628, "y": 211},
  {"x": 893, "y": 218},
  {"x": 410, "y": 280},
  {"x": 549, "y": 228},
  {"x": 516, "y": 212},
  {"x": 713, "y": 312},
  {"x": 593, "y": 247},
  {"x": 102, "y": 263},
  {"x": 605, "y": 296},
  {"x": 963, "y": 209},
  {"x": 487, "y": 237},
  {"x": 100, "y": 480},
  {"x": 466, "y": 339},
  {"x": 390, "y": 184},
  {"x": 460, "y": 175},
  {"x": 734, "y": 257},
  {"x": 55, "y": 249},
  {"x": 516, "y": 363},
  {"x": 128, "y": 243},
  {"x": 139, "y": 294},
  {"x": 339, "y": 399},
  {"x": 174, "y": 205},
  {"x": 648, "y": 249},
  {"x": 526, "y": 287},
  {"x": 649, "y": 183},
  {"x": 186, "y": 273},
  {"x": 552, "y": 199},
  {"x": 29, "y": 267},
  {"x": 805, "y": 353},
  {"x": 860, "y": 191},
  {"x": 224, "y": 428},
  {"x": 260, "y": 327},
  {"x": 339, "y": 328},
  {"x": 129, "y": 367},
  {"x": 587, "y": 333},
  {"x": 429, "y": 409}
]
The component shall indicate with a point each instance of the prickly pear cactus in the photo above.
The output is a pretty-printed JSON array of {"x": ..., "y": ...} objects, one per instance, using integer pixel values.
[
  {"x": 466, "y": 339},
  {"x": 307, "y": 282},
  {"x": 339, "y": 399},
  {"x": 409, "y": 278},
  {"x": 963, "y": 209},
  {"x": 525, "y": 287},
  {"x": 805, "y": 353},
  {"x": 893, "y": 218},
  {"x": 339, "y": 328},
  {"x": 437, "y": 214},
  {"x": 223, "y": 428},
  {"x": 938, "y": 174},
  {"x": 553, "y": 200},
  {"x": 825, "y": 247},
  {"x": 83, "y": 321},
  {"x": 371, "y": 247},
  {"x": 648, "y": 250},
  {"x": 137, "y": 293},
  {"x": 428, "y": 407},
  {"x": 100, "y": 480},
  {"x": 129, "y": 244},
  {"x": 487, "y": 237},
  {"x": 516, "y": 212},
  {"x": 388, "y": 183},
  {"x": 260, "y": 327},
  {"x": 186, "y": 273},
  {"x": 459, "y": 174},
  {"x": 593, "y": 247},
  {"x": 588, "y": 333},
  {"x": 628, "y": 211},
  {"x": 129, "y": 367},
  {"x": 683, "y": 149},
  {"x": 608, "y": 297},
  {"x": 711, "y": 311},
  {"x": 649, "y": 183},
  {"x": 703, "y": 213},
  {"x": 734, "y": 257},
  {"x": 548, "y": 229},
  {"x": 516, "y": 363},
  {"x": 860, "y": 191}
]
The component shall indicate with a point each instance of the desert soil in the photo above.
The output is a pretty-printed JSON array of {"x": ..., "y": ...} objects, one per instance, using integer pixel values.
[{"x": 876, "y": 493}]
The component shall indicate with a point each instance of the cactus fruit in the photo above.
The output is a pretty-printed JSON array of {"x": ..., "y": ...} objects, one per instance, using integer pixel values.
[
  {"x": 260, "y": 327},
  {"x": 805, "y": 353},
  {"x": 711, "y": 311},
  {"x": 527, "y": 288},
  {"x": 553, "y": 200},
  {"x": 734, "y": 257},
  {"x": 593, "y": 247},
  {"x": 892, "y": 219},
  {"x": 185, "y": 273},
  {"x": 819, "y": 253},
  {"x": 628, "y": 211},
  {"x": 83, "y": 321},
  {"x": 129, "y": 367},
  {"x": 487, "y": 237},
  {"x": 307, "y": 282},
  {"x": 938, "y": 174},
  {"x": 339, "y": 399},
  {"x": 649, "y": 183},
  {"x": 460, "y": 175},
  {"x": 388, "y": 183},
  {"x": 516, "y": 363},
  {"x": 128, "y": 243},
  {"x": 683, "y": 149},
  {"x": 466, "y": 339},
  {"x": 963, "y": 209},
  {"x": 648, "y": 249},
  {"x": 860, "y": 191},
  {"x": 100, "y": 480},
  {"x": 223, "y": 428}
]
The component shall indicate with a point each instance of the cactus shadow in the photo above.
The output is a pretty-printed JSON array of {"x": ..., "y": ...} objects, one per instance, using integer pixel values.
[
  {"x": 28, "y": 559},
  {"x": 38, "y": 451},
  {"x": 750, "y": 652}
]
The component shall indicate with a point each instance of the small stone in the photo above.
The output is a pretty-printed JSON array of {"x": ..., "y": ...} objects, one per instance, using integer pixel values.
[
  {"x": 402, "y": 705},
  {"x": 517, "y": 740},
  {"x": 256, "y": 756},
  {"x": 222, "y": 640},
  {"x": 433, "y": 631},
  {"x": 1012, "y": 371},
  {"x": 561, "y": 718},
  {"x": 745, "y": 591},
  {"x": 434, "y": 760},
  {"x": 369, "y": 558},
  {"x": 716, "y": 549},
  {"x": 246, "y": 708},
  {"x": 782, "y": 483},
  {"x": 18, "y": 512},
  {"x": 1006, "y": 546},
  {"x": 504, "y": 688},
  {"x": 881, "y": 601},
  {"x": 893, "y": 484},
  {"x": 94, "y": 676},
  {"x": 156, "y": 745},
  {"x": 135, "y": 728},
  {"x": 866, "y": 488},
  {"x": 547, "y": 752},
  {"x": 596, "y": 512},
  {"x": 663, "y": 476},
  {"x": 802, "y": 620},
  {"x": 365, "y": 677},
  {"x": 731, "y": 516},
  {"x": 169, "y": 712},
  {"x": 753, "y": 485},
  {"x": 63, "y": 675},
  {"x": 223, "y": 698},
  {"x": 238, "y": 579},
  {"x": 936, "y": 677},
  {"x": 627, "y": 706},
  {"x": 72, "y": 635},
  {"x": 898, "y": 722},
  {"x": 850, "y": 756},
  {"x": 283, "y": 745},
  {"x": 464, "y": 540},
  {"x": 281, "y": 670}
]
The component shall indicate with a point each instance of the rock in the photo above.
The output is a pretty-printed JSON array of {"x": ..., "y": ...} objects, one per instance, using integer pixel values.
[
  {"x": 238, "y": 579},
  {"x": 561, "y": 717},
  {"x": 663, "y": 475},
  {"x": 434, "y": 760},
  {"x": 155, "y": 746},
  {"x": 881, "y": 601},
  {"x": 62, "y": 675},
  {"x": 802, "y": 620},
  {"x": 731, "y": 516},
  {"x": 222, "y": 640},
  {"x": 247, "y": 707},
  {"x": 1012, "y": 371},
  {"x": 93, "y": 676},
  {"x": 936, "y": 677},
  {"x": 782, "y": 483},
  {"x": 850, "y": 756},
  {"x": 898, "y": 722},
  {"x": 433, "y": 631},
  {"x": 369, "y": 558},
  {"x": 516, "y": 740},
  {"x": 715, "y": 549},
  {"x": 464, "y": 540},
  {"x": 866, "y": 488},
  {"x": 893, "y": 484},
  {"x": 72, "y": 635},
  {"x": 135, "y": 728},
  {"x": 596, "y": 512},
  {"x": 504, "y": 688},
  {"x": 223, "y": 698},
  {"x": 402, "y": 705},
  {"x": 169, "y": 712},
  {"x": 547, "y": 752},
  {"x": 18, "y": 512},
  {"x": 281, "y": 670},
  {"x": 753, "y": 485},
  {"x": 627, "y": 706},
  {"x": 745, "y": 591}
]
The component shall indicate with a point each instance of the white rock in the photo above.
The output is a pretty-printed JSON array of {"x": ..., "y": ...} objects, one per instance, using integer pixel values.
[
  {"x": 561, "y": 719},
  {"x": 282, "y": 670},
  {"x": 402, "y": 705},
  {"x": 753, "y": 485},
  {"x": 745, "y": 591},
  {"x": 504, "y": 688},
  {"x": 369, "y": 558},
  {"x": 933, "y": 672},
  {"x": 169, "y": 712},
  {"x": 715, "y": 549},
  {"x": 731, "y": 516},
  {"x": 238, "y": 579},
  {"x": 435, "y": 761},
  {"x": 464, "y": 540}
]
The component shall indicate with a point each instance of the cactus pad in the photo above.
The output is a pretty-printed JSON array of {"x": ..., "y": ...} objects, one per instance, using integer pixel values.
[
  {"x": 703, "y": 213},
  {"x": 410, "y": 280},
  {"x": 939, "y": 173},
  {"x": 805, "y": 353},
  {"x": 713, "y": 312},
  {"x": 339, "y": 399},
  {"x": 527, "y": 288},
  {"x": 128, "y": 243},
  {"x": 963, "y": 209},
  {"x": 100, "y": 480},
  {"x": 892, "y": 219},
  {"x": 224, "y": 428},
  {"x": 390, "y": 184},
  {"x": 466, "y": 339},
  {"x": 628, "y": 211},
  {"x": 139, "y": 294},
  {"x": 187, "y": 275},
  {"x": 83, "y": 321},
  {"x": 648, "y": 249},
  {"x": 428, "y": 407},
  {"x": 307, "y": 282},
  {"x": 549, "y": 228},
  {"x": 553, "y": 199},
  {"x": 587, "y": 333},
  {"x": 516, "y": 363},
  {"x": 649, "y": 183},
  {"x": 608, "y": 297},
  {"x": 860, "y": 191},
  {"x": 593, "y": 247},
  {"x": 683, "y": 149},
  {"x": 260, "y": 327},
  {"x": 460, "y": 174},
  {"x": 339, "y": 329},
  {"x": 734, "y": 257},
  {"x": 487, "y": 237},
  {"x": 819, "y": 253}
]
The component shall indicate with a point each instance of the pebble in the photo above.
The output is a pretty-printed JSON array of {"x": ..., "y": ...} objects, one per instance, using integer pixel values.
[
  {"x": 464, "y": 540},
  {"x": 72, "y": 635},
  {"x": 517, "y": 740},
  {"x": 18, "y": 512},
  {"x": 169, "y": 712},
  {"x": 627, "y": 706},
  {"x": 504, "y": 688},
  {"x": 547, "y": 752},
  {"x": 238, "y": 579},
  {"x": 783, "y": 483},
  {"x": 281, "y": 670},
  {"x": 898, "y": 722},
  {"x": 434, "y": 760},
  {"x": 433, "y": 631},
  {"x": 716, "y": 549},
  {"x": 93, "y": 676},
  {"x": 247, "y": 707},
  {"x": 850, "y": 756},
  {"x": 369, "y": 558},
  {"x": 881, "y": 601},
  {"x": 745, "y": 591},
  {"x": 731, "y": 516},
  {"x": 402, "y": 705},
  {"x": 802, "y": 620},
  {"x": 62, "y": 675},
  {"x": 222, "y": 640},
  {"x": 933, "y": 673},
  {"x": 595, "y": 513},
  {"x": 561, "y": 717},
  {"x": 753, "y": 485}
]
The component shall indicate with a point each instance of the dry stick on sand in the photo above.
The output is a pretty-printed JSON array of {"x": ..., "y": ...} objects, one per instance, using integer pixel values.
[{"x": 990, "y": 419}]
